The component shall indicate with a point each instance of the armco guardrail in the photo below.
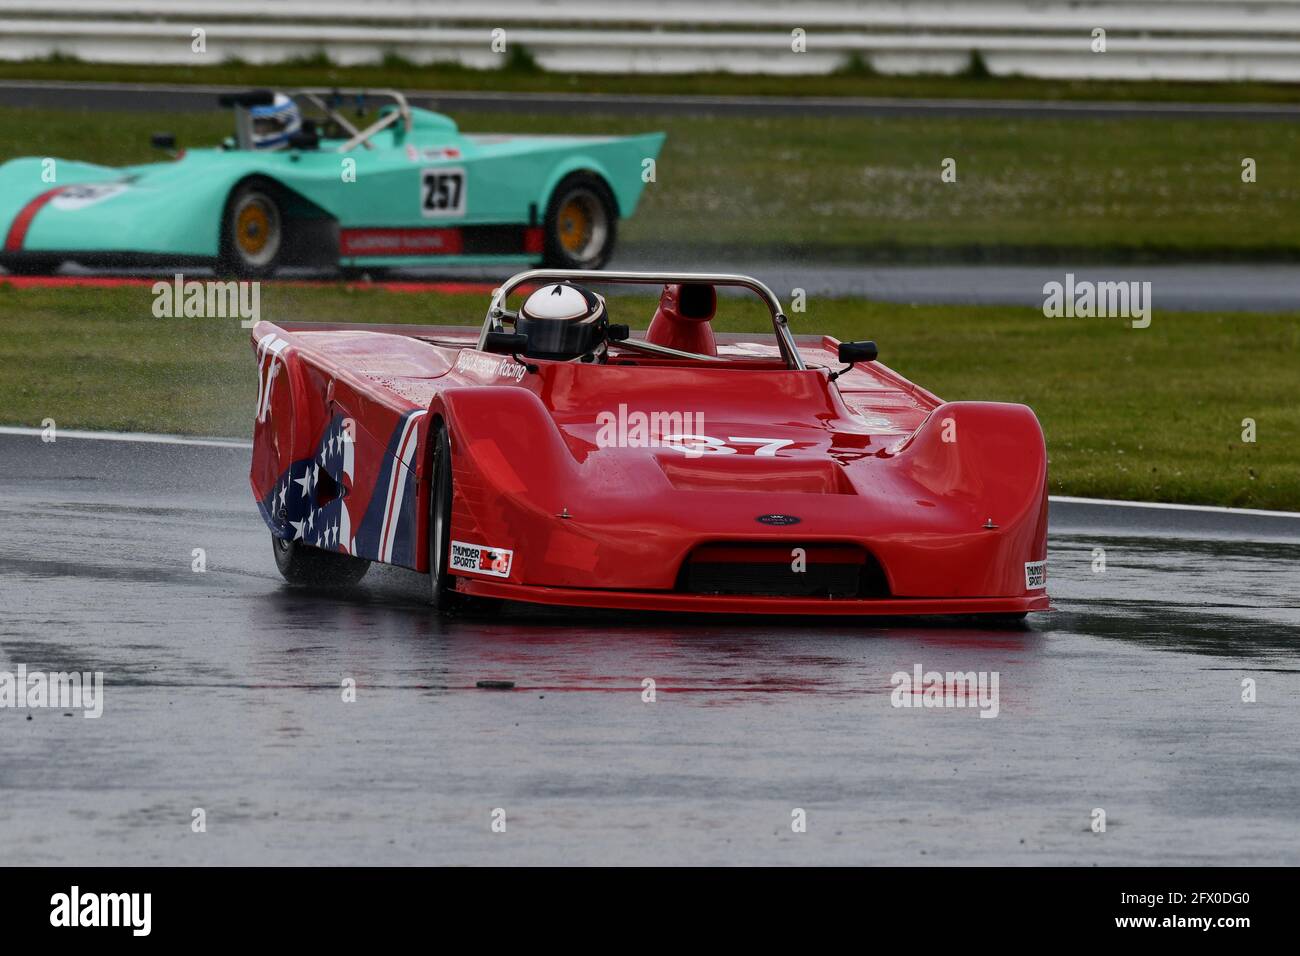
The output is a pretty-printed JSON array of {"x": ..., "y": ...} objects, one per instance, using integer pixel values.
[{"x": 1169, "y": 39}]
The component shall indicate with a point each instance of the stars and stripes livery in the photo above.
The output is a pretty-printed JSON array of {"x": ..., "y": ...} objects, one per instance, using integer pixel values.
[{"x": 321, "y": 501}]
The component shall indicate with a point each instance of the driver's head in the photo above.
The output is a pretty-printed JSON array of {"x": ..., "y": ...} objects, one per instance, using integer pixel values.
[
  {"x": 274, "y": 124},
  {"x": 562, "y": 321}
]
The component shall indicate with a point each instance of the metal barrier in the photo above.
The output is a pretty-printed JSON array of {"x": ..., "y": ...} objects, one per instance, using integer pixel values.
[{"x": 1169, "y": 39}]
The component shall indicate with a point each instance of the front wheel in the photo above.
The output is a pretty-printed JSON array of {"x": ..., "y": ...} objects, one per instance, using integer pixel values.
[
  {"x": 581, "y": 223},
  {"x": 442, "y": 585},
  {"x": 302, "y": 564},
  {"x": 252, "y": 233}
]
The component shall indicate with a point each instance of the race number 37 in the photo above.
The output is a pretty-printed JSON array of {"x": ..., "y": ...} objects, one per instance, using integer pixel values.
[{"x": 442, "y": 192}]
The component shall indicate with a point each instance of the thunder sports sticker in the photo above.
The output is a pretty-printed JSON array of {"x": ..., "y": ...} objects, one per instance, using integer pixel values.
[
  {"x": 1035, "y": 575},
  {"x": 475, "y": 559}
]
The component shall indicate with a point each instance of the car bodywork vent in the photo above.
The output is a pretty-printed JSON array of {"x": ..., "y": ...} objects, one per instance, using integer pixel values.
[{"x": 789, "y": 569}]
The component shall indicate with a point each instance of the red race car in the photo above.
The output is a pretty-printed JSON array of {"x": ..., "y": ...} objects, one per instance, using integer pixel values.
[{"x": 554, "y": 456}]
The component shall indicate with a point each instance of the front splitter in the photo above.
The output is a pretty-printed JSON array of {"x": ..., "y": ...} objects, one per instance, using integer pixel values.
[{"x": 745, "y": 604}]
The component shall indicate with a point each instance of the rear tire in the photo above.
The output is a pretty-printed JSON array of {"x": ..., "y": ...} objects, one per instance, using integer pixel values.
[
  {"x": 305, "y": 566},
  {"x": 252, "y": 233},
  {"x": 581, "y": 223}
]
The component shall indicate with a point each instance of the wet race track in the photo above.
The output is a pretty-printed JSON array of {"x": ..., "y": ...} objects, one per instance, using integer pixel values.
[{"x": 222, "y": 692}]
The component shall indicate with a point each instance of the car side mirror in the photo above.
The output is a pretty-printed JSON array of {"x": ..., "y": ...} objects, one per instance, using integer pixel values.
[
  {"x": 505, "y": 343},
  {"x": 851, "y": 352},
  {"x": 618, "y": 333},
  {"x": 163, "y": 141}
]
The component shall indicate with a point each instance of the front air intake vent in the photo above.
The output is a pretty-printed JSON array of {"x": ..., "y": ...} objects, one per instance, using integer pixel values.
[{"x": 766, "y": 570}]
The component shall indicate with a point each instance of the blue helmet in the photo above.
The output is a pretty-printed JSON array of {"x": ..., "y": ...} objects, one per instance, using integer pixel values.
[{"x": 274, "y": 124}]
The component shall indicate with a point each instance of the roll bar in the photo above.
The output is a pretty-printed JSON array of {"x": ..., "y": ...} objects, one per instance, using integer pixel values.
[
  {"x": 497, "y": 310},
  {"x": 359, "y": 137},
  {"x": 319, "y": 98}
]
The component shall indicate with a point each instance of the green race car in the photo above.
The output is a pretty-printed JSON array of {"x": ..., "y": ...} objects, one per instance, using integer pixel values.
[{"x": 290, "y": 188}]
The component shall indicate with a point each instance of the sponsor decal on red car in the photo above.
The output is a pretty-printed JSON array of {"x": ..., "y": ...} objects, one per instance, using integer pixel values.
[{"x": 477, "y": 559}]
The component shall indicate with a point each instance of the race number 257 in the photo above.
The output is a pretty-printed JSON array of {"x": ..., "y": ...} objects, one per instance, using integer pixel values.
[{"x": 442, "y": 192}]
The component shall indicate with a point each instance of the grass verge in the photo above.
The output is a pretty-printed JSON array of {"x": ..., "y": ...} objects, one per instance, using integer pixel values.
[
  {"x": 1151, "y": 414},
  {"x": 854, "y": 190}
]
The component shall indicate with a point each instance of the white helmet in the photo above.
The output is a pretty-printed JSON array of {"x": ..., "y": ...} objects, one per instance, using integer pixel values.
[
  {"x": 274, "y": 124},
  {"x": 562, "y": 321}
]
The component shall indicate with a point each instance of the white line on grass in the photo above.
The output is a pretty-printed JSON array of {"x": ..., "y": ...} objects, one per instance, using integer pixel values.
[
  {"x": 143, "y": 437},
  {"x": 1169, "y": 506}
]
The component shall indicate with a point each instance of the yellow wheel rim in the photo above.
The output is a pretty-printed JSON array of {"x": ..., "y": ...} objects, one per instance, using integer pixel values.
[
  {"x": 575, "y": 226},
  {"x": 252, "y": 229}
]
